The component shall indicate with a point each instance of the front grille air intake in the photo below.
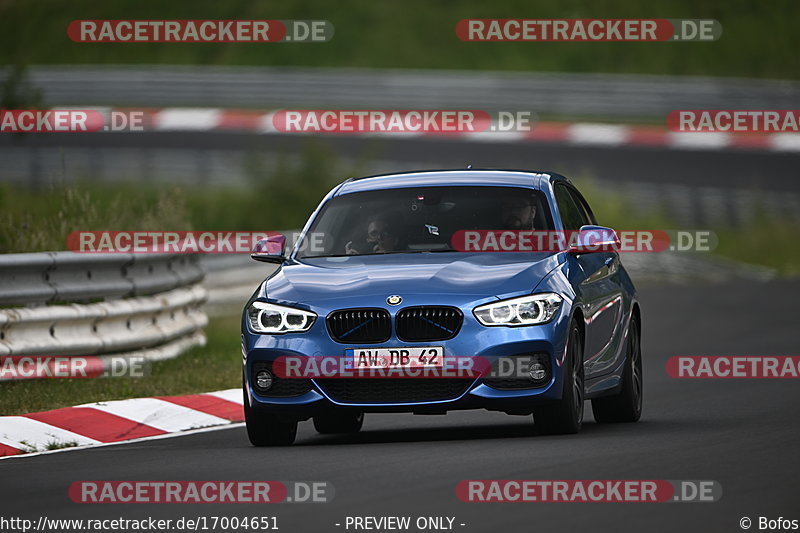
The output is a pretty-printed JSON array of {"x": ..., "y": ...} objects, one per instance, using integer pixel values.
[
  {"x": 360, "y": 325},
  {"x": 428, "y": 323}
]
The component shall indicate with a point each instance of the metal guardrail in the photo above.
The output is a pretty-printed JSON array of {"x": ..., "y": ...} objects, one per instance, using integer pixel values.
[
  {"x": 117, "y": 326},
  {"x": 231, "y": 280},
  {"x": 587, "y": 95},
  {"x": 143, "y": 306},
  {"x": 51, "y": 277}
]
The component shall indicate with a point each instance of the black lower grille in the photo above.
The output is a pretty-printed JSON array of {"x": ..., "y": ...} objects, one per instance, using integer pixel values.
[
  {"x": 394, "y": 390},
  {"x": 281, "y": 387},
  {"x": 415, "y": 324},
  {"x": 360, "y": 325}
]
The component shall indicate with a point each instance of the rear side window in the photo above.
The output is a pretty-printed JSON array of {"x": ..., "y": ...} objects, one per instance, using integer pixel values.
[
  {"x": 572, "y": 216},
  {"x": 583, "y": 206}
]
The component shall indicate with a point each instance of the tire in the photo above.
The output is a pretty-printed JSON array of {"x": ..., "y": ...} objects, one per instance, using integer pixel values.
[
  {"x": 267, "y": 429},
  {"x": 566, "y": 416},
  {"x": 344, "y": 422},
  {"x": 626, "y": 406}
]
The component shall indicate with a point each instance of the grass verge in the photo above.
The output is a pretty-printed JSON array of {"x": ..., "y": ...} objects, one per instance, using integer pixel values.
[
  {"x": 761, "y": 242},
  {"x": 277, "y": 196}
]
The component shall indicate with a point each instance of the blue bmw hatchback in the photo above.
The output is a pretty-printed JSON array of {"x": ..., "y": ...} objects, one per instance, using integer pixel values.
[{"x": 381, "y": 276}]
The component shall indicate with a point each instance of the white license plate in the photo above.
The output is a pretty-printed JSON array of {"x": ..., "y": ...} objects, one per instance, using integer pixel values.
[{"x": 409, "y": 357}]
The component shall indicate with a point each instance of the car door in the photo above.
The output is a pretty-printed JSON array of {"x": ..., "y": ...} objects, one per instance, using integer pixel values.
[{"x": 596, "y": 280}]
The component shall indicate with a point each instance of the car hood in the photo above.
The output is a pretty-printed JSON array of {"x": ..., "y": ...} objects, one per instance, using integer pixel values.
[{"x": 370, "y": 279}]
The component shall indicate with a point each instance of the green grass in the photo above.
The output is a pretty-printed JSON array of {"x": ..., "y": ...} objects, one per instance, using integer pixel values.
[
  {"x": 766, "y": 243},
  {"x": 36, "y": 220},
  {"x": 759, "y": 39},
  {"x": 614, "y": 210},
  {"x": 762, "y": 242},
  {"x": 216, "y": 366}
]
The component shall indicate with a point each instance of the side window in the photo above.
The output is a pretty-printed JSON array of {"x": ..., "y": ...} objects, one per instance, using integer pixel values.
[
  {"x": 586, "y": 212},
  {"x": 570, "y": 214}
]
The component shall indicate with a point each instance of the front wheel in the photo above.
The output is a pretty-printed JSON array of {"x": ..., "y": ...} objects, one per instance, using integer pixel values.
[
  {"x": 567, "y": 415},
  {"x": 268, "y": 429},
  {"x": 626, "y": 406}
]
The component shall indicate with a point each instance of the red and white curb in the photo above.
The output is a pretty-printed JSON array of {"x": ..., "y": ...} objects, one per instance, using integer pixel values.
[
  {"x": 590, "y": 134},
  {"x": 118, "y": 421}
]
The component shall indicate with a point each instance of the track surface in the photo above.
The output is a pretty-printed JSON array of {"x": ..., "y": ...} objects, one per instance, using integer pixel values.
[
  {"x": 743, "y": 434},
  {"x": 743, "y": 169}
]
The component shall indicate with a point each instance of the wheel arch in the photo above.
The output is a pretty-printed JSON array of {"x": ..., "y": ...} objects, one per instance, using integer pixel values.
[
  {"x": 636, "y": 313},
  {"x": 578, "y": 318}
]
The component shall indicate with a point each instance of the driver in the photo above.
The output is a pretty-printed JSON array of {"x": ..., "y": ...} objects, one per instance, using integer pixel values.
[
  {"x": 518, "y": 214},
  {"x": 380, "y": 236}
]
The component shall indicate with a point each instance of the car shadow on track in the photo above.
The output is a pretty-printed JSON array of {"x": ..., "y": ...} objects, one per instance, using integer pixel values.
[{"x": 472, "y": 432}]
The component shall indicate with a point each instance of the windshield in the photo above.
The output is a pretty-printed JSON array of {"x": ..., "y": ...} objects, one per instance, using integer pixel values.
[{"x": 419, "y": 219}]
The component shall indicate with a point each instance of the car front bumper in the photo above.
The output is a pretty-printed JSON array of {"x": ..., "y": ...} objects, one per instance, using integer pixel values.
[{"x": 473, "y": 339}]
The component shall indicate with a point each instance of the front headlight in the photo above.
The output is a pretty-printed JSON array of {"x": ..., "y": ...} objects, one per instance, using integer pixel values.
[
  {"x": 276, "y": 319},
  {"x": 523, "y": 311}
]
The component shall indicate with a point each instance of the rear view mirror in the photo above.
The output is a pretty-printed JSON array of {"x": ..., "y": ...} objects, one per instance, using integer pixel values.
[
  {"x": 270, "y": 250},
  {"x": 594, "y": 239}
]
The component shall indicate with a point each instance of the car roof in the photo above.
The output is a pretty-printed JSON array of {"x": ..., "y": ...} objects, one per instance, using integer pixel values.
[{"x": 434, "y": 178}]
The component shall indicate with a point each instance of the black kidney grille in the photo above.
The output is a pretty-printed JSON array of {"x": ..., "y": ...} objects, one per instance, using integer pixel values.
[
  {"x": 428, "y": 323},
  {"x": 393, "y": 390},
  {"x": 360, "y": 325}
]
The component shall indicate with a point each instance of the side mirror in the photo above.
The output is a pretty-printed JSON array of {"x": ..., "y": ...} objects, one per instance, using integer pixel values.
[
  {"x": 270, "y": 250},
  {"x": 593, "y": 239}
]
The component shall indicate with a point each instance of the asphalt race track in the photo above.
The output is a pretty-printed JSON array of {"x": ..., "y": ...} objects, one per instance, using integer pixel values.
[
  {"x": 744, "y": 169},
  {"x": 741, "y": 433}
]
